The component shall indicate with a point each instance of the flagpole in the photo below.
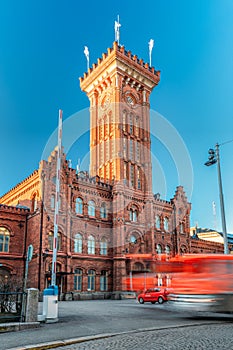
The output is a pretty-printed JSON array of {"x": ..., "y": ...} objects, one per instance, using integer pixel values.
[
  {"x": 151, "y": 45},
  {"x": 57, "y": 197},
  {"x": 86, "y": 52}
]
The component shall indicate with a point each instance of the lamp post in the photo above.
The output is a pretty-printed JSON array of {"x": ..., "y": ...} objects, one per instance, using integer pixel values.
[{"x": 215, "y": 158}]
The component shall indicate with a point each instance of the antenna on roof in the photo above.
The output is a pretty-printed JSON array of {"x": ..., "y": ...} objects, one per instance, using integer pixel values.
[{"x": 117, "y": 30}]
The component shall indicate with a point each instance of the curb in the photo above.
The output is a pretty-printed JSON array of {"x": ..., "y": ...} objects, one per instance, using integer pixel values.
[{"x": 17, "y": 326}]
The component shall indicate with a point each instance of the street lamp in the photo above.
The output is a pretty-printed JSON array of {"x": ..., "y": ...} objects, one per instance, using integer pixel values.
[{"x": 212, "y": 159}]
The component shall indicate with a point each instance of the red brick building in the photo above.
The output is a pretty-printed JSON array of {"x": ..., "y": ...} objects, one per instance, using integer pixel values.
[{"x": 108, "y": 214}]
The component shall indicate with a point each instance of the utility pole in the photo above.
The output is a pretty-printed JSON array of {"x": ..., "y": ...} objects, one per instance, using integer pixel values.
[{"x": 214, "y": 157}]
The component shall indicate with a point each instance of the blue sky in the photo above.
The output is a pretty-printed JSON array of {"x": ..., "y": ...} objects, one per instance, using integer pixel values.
[{"x": 41, "y": 58}]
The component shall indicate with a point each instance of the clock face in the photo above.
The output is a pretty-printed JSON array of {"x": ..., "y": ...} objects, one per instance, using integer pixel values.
[{"x": 130, "y": 100}]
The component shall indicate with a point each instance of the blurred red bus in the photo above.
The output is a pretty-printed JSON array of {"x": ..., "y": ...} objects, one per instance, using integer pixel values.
[{"x": 202, "y": 282}]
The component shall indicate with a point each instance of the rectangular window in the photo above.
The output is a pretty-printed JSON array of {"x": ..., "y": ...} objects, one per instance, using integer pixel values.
[
  {"x": 130, "y": 124},
  {"x": 103, "y": 248},
  {"x": 132, "y": 175},
  {"x": 138, "y": 152},
  {"x": 125, "y": 173},
  {"x": 139, "y": 179},
  {"x": 124, "y": 147},
  {"x": 137, "y": 126},
  {"x": 103, "y": 281},
  {"x": 91, "y": 280},
  {"x": 131, "y": 149},
  {"x": 2, "y": 243},
  {"x": 78, "y": 279}
]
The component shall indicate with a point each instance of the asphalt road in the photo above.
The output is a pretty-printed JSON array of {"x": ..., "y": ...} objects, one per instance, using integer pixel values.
[{"x": 88, "y": 318}]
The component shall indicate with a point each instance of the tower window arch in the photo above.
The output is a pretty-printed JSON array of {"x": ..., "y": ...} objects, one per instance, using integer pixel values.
[
  {"x": 91, "y": 208},
  {"x": 4, "y": 240},
  {"x": 137, "y": 126},
  {"x": 139, "y": 179},
  {"x": 124, "y": 121},
  {"x": 79, "y": 206},
  {"x": 181, "y": 227},
  {"x": 133, "y": 214},
  {"x": 131, "y": 123},
  {"x": 34, "y": 202}
]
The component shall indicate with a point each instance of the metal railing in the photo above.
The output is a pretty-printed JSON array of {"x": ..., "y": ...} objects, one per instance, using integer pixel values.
[{"x": 12, "y": 306}]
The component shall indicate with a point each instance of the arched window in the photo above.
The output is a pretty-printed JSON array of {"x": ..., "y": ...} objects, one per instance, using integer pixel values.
[
  {"x": 133, "y": 214},
  {"x": 78, "y": 279},
  {"x": 165, "y": 223},
  {"x": 50, "y": 241},
  {"x": 181, "y": 227},
  {"x": 52, "y": 201},
  {"x": 137, "y": 126},
  {"x": 78, "y": 243},
  {"x": 133, "y": 239},
  {"x": 125, "y": 147},
  {"x": 91, "y": 208},
  {"x": 131, "y": 124},
  {"x": 91, "y": 245},
  {"x": 159, "y": 249},
  {"x": 138, "y": 145},
  {"x": 104, "y": 281},
  {"x": 79, "y": 205},
  {"x": 34, "y": 202},
  {"x": 4, "y": 240},
  {"x": 103, "y": 247},
  {"x": 139, "y": 179},
  {"x": 167, "y": 249},
  {"x": 131, "y": 152},
  {"x": 157, "y": 221},
  {"x": 91, "y": 280},
  {"x": 103, "y": 211},
  {"x": 124, "y": 121}
]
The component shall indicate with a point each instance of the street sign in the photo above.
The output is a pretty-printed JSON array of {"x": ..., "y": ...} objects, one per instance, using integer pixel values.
[{"x": 30, "y": 252}]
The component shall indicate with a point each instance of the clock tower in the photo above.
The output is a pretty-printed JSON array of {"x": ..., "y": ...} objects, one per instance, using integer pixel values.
[{"x": 119, "y": 88}]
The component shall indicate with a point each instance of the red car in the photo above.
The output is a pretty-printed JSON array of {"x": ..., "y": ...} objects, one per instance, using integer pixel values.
[{"x": 153, "y": 295}]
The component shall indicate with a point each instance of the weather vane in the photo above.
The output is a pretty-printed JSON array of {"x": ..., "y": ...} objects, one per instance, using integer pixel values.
[
  {"x": 117, "y": 30},
  {"x": 151, "y": 45},
  {"x": 86, "y": 52}
]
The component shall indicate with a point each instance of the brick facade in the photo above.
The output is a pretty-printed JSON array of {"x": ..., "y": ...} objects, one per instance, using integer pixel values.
[{"x": 106, "y": 216}]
